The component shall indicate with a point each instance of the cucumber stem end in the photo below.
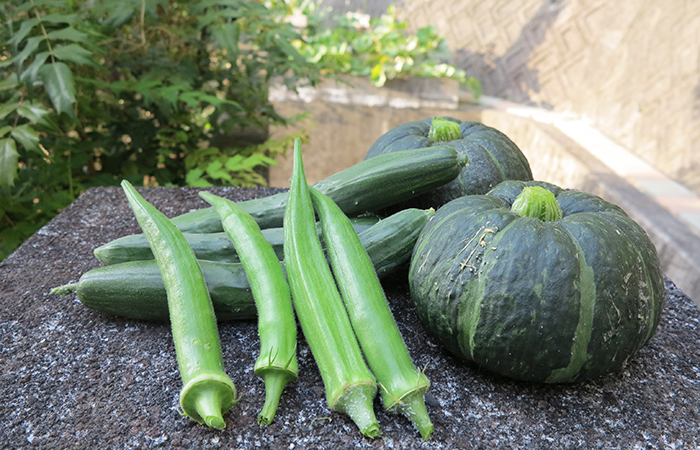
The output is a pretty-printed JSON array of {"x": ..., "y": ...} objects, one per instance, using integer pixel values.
[{"x": 65, "y": 289}]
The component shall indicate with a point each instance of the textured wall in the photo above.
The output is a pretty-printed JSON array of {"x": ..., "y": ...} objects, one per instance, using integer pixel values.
[{"x": 632, "y": 68}]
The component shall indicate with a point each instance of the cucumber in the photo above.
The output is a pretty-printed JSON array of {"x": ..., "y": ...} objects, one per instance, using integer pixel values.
[
  {"x": 367, "y": 186},
  {"x": 135, "y": 289},
  {"x": 206, "y": 246}
]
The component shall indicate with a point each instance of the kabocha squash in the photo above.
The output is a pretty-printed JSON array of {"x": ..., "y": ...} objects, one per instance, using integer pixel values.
[
  {"x": 537, "y": 283},
  {"x": 492, "y": 156}
]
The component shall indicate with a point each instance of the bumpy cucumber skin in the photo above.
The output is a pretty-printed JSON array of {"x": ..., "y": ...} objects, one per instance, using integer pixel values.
[
  {"x": 135, "y": 289},
  {"x": 368, "y": 186},
  {"x": 206, "y": 246}
]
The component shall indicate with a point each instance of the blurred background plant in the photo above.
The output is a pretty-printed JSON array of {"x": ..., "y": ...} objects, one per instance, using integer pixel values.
[
  {"x": 168, "y": 93},
  {"x": 381, "y": 48}
]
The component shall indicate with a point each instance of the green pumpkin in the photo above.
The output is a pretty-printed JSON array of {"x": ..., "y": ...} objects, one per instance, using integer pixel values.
[
  {"x": 492, "y": 156},
  {"x": 558, "y": 297}
]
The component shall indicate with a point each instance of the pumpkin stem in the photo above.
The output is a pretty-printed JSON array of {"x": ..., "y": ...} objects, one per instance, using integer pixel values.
[
  {"x": 443, "y": 130},
  {"x": 537, "y": 202}
]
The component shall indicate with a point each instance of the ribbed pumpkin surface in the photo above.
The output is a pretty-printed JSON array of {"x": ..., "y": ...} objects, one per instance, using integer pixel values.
[
  {"x": 558, "y": 301},
  {"x": 492, "y": 157}
]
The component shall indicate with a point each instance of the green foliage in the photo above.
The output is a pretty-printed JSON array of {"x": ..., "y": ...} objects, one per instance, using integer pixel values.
[
  {"x": 381, "y": 48},
  {"x": 95, "y": 92}
]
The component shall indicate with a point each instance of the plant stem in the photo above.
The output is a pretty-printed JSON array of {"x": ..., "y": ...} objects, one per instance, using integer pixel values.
[
  {"x": 275, "y": 382},
  {"x": 537, "y": 202},
  {"x": 443, "y": 130},
  {"x": 143, "y": 22},
  {"x": 43, "y": 30}
]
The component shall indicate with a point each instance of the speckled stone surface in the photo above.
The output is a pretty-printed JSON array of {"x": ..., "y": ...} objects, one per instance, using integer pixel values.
[{"x": 71, "y": 378}]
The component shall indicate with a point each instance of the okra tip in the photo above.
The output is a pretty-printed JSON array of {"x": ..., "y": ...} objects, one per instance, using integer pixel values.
[
  {"x": 358, "y": 402},
  {"x": 275, "y": 382},
  {"x": 413, "y": 407},
  {"x": 207, "y": 397},
  {"x": 212, "y": 199}
]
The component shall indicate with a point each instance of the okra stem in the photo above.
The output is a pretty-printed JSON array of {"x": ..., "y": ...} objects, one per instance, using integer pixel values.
[
  {"x": 402, "y": 385},
  {"x": 350, "y": 386},
  {"x": 207, "y": 391},
  {"x": 277, "y": 363}
]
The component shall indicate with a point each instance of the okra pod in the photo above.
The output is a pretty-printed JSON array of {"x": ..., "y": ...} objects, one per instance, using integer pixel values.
[
  {"x": 277, "y": 328},
  {"x": 350, "y": 386},
  {"x": 402, "y": 386},
  {"x": 207, "y": 391}
]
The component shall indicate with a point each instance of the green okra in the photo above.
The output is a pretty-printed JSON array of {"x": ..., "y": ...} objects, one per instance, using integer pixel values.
[
  {"x": 402, "y": 386},
  {"x": 207, "y": 391},
  {"x": 277, "y": 328},
  {"x": 350, "y": 386}
]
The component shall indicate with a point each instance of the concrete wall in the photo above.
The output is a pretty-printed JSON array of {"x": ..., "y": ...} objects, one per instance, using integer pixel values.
[
  {"x": 632, "y": 68},
  {"x": 341, "y": 133},
  {"x": 345, "y": 119}
]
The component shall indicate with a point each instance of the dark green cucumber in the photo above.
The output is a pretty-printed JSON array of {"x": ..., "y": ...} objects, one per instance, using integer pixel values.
[
  {"x": 135, "y": 289},
  {"x": 367, "y": 186},
  {"x": 206, "y": 246}
]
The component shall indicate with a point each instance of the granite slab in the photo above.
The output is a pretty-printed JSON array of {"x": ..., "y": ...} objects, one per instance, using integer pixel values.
[{"x": 72, "y": 378}]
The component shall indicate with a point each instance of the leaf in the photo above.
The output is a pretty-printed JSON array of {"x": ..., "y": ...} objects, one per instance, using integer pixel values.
[
  {"x": 30, "y": 75},
  {"x": 216, "y": 14},
  {"x": 69, "y": 34},
  {"x": 59, "y": 18},
  {"x": 9, "y": 83},
  {"x": 25, "y": 135},
  {"x": 24, "y": 29},
  {"x": 171, "y": 94},
  {"x": 8, "y": 162},
  {"x": 363, "y": 43},
  {"x": 7, "y": 108},
  {"x": 228, "y": 36},
  {"x": 120, "y": 16},
  {"x": 289, "y": 50},
  {"x": 474, "y": 86},
  {"x": 74, "y": 53},
  {"x": 5, "y": 130},
  {"x": 234, "y": 163},
  {"x": 31, "y": 45},
  {"x": 194, "y": 178},
  {"x": 214, "y": 166},
  {"x": 7, "y": 62},
  {"x": 58, "y": 82},
  {"x": 38, "y": 114},
  {"x": 190, "y": 98},
  {"x": 378, "y": 75}
]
